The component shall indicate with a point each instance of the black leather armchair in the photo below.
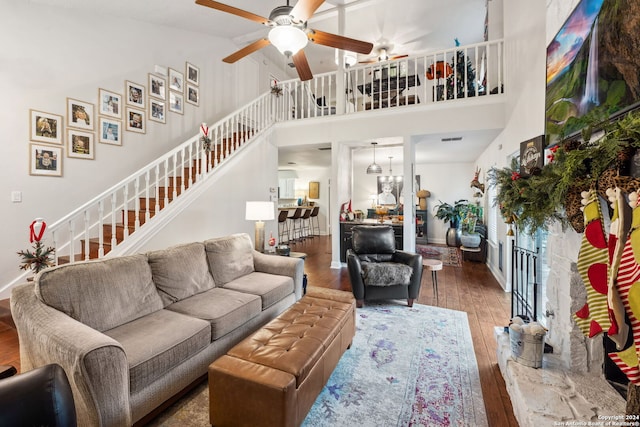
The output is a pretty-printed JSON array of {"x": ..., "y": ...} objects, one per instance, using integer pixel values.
[
  {"x": 377, "y": 270},
  {"x": 40, "y": 397}
]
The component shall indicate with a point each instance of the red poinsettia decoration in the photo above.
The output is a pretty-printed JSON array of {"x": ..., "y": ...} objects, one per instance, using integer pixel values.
[
  {"x": 552, "y": 155},
  {"x": 515, "y": 176}
]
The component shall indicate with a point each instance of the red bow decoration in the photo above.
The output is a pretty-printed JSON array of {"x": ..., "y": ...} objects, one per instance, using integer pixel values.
[{"x": 36, "y": 230}]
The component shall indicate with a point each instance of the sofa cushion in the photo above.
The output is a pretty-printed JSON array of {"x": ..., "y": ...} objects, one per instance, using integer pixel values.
[
  {"x": 180, "y": 271},
  {"x": 386, "y": 273},
  {"x": 229, "y": 257},
  {"x": 270, "y": 288},
  {"x": 225, "y": 309},
  {"x": 101, "y": 294},
  {"x": 158, "y": 342}
]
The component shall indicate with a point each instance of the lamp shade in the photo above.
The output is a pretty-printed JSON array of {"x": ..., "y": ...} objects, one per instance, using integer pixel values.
[
  {"x": 288, "y": 39},
  {"x": 260, "y": 211}
]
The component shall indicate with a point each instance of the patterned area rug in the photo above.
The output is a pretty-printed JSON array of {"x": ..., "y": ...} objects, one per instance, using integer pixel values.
[
  {"x": 447, "y": 254},
  {"x": 406, "y": 367}
]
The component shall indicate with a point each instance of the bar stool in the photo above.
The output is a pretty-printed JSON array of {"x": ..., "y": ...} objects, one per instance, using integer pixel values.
[
  {"x": 314, "y": 214},
  {"x": 283, "y": 226},
  {"x": 305, "y": 223},
  {"x": 295, "y": 222},
  {"x": 433, "y": 265}
]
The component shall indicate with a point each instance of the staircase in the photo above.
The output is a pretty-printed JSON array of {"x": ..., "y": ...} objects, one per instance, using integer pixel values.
[{"x": 153, "y": 199}]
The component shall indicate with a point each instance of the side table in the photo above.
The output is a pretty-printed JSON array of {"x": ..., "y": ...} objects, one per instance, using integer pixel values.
[{"x": 466, "y": 249}]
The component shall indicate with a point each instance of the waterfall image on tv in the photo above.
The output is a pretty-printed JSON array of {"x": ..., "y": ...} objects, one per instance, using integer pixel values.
[{"x": 593, "y": 66}]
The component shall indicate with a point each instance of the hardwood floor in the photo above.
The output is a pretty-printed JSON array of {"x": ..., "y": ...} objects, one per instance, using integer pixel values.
[{"x": 471, "y": 289}]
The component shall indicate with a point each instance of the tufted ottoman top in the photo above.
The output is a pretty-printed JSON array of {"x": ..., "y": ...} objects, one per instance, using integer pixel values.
[{"x": 294, "y": 341}]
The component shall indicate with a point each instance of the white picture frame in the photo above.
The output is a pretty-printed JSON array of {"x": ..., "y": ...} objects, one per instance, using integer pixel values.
[{"x": 110, "y": 131}]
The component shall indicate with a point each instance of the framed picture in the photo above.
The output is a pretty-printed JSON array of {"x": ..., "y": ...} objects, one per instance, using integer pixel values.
[
  {"x": 532, "y": 156},
  {"x": 135, "y": 94},
  {"x": 176, "y": 102},
  {"x": 176, "y": 80},
  {"x": 135, "y": 120},
  {"x": 80, "y": 144},
  {"x": 389, "y": 190},
  {"x": 193, "y": 95},
  {"x": 314, "y": 190},
  {"x": 45, "y": 160},
  {"x": 109, "y": 103},
  {"x": 193, "y": 74},
  {"x": 157, "y": 111},
  {"x": 45, "y": 127},
  {"x": 79, "y": 114},
  {"x": 157, "y": 87},
  {"x": 110, "y": 131}
]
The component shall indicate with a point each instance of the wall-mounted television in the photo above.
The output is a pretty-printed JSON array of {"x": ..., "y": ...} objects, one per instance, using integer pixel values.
[{"x": 593, "y": 66}]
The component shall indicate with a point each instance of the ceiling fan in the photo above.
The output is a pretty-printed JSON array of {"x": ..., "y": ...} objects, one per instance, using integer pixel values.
[
  {"x": 383, "y": 55},
  {"x": 289, "y": 33}
]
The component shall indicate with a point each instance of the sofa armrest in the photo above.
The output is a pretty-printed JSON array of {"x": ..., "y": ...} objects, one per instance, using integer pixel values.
[
  {"x": 95, "y": 364},
  {"x": 283, "y": 266}
]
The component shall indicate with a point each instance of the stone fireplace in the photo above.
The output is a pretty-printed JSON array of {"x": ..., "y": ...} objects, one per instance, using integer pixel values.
[{"x": 571, "y": 384}]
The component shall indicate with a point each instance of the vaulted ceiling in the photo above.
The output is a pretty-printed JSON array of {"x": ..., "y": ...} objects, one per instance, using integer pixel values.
[{"x": 402, "y": 26}]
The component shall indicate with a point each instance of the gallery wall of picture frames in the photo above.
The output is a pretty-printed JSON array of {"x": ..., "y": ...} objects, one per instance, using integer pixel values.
[{"x": 108, "y": 118}]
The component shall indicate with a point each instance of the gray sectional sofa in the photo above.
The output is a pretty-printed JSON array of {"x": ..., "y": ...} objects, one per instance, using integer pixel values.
[{"x": 132, "y": 331}]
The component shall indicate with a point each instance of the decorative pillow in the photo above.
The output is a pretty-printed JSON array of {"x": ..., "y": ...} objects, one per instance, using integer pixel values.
[
  {"x": 101, "y": 294},
  {"x": 229, "y": 257},
  {"x": 180, "y": 271},
  {"x": 386, "y": 273}
]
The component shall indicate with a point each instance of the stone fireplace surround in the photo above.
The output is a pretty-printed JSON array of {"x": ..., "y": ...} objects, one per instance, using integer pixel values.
[{"x": 570, "y": 386}]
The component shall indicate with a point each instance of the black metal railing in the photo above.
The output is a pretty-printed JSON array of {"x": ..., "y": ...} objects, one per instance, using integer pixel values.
[{"x": 524, "y": 282}]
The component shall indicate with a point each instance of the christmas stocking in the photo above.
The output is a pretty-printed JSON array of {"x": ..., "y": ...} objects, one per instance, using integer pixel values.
[
  {"x": 628, "y": 287},
  {"x": 620, "y": 224},
  {"x": 593, "y": 261}
]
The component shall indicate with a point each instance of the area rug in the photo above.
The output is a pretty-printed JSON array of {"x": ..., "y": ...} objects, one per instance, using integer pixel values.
[
  {"x": 447, "y": 254},
  {"x": 406, "y": 367}
]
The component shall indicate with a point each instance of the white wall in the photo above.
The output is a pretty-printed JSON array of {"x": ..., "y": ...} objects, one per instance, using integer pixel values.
[
  {"x": 221, "y": 210},
  {"x": 447, "y": 182},
  {"x": 525, "y": 48},
  {"x": 50, "y": 54}
]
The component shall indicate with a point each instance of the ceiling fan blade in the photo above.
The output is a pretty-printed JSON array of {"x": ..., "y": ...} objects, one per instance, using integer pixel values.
[
  {"x": 302, "y": 66},
  {"x": 303, "y": 9},
  {"x": 340, "y": 42},
  {"x": 233, "y": 10},
  {"x": 256, "y": 45},
  {"x": 394, "y": 57}
]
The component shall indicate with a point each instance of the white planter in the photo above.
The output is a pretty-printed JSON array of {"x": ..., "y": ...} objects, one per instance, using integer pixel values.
[{"x": 470, "y": 240}]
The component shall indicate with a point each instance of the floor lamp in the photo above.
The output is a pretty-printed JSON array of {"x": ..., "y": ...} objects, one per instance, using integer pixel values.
[{"x": 259, "y": 212}]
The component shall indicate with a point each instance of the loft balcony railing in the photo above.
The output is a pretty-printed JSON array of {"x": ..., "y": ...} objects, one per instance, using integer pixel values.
[
  {"x": 459, "y": 73},
  {"x": 103, "y": 224}
]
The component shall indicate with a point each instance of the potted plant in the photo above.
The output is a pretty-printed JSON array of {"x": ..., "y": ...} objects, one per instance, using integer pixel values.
[{"x": 452, "y": 214}]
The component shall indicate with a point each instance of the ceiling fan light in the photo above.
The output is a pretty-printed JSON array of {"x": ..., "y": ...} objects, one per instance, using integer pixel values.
[
  {"x": 383, "y": 55},
  {"x": 288, "y": 39}
]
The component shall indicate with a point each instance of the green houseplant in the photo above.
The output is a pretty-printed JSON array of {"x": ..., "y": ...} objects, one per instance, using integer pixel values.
[{"x": 452, "y": 214}]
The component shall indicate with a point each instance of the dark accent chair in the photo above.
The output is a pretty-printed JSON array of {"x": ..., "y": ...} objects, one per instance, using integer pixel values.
[
  {"x": 377, "y": 270},
  {"x": 482, "y": 255},
  {"x": 40, "y": 397}
]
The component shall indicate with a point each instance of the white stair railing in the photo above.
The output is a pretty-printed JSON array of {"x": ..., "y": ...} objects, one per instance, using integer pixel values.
[{"x": 97, "y": 227}]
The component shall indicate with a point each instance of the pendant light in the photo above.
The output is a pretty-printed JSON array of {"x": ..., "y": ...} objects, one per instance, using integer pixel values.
[{"x": 374, "y": 168}]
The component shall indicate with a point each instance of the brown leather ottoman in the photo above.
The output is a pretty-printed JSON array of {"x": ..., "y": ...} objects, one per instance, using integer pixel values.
[{"x": 273, "y": 377}]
